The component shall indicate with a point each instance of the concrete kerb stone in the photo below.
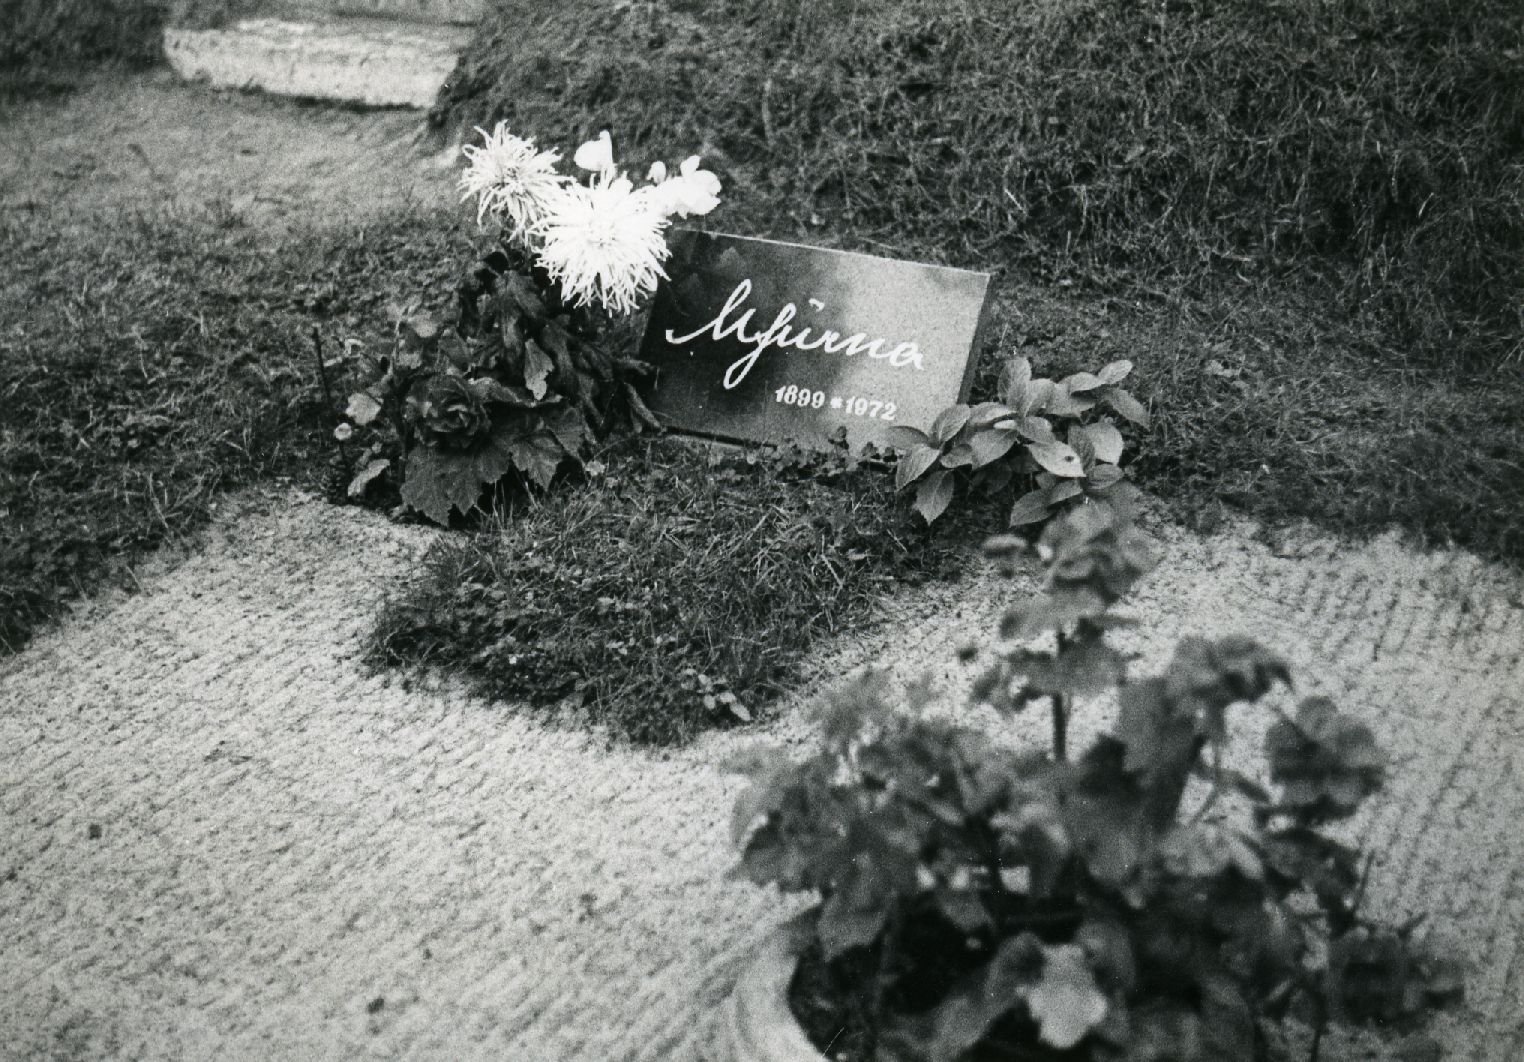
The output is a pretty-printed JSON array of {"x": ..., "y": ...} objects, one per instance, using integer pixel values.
[{"x": 369, "y": 62}]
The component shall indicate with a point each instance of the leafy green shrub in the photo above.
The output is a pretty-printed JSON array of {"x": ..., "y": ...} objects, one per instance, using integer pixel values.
[
  {"x": 995, "y": 443},
  {"x": 981, "y": 902},
  {"x": 516, "y": 385},
  {"x": 1366, "y": 149},
  {"x": 677, "y": 591},
  {"x": 524, "y": 376}
]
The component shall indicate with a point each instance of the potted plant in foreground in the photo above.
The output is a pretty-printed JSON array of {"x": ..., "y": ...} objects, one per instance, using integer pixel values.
[{"x": 1140, "y": 900}]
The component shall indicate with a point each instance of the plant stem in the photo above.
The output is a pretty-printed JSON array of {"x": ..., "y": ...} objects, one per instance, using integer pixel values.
[
  {"x": 317, "y": 352},
  {"x": 1061, "y": 710},
  {"x": 1060, "y": 727},
  {"x": 886, "y": 953},
  {"x": 1211, "y": 800}
]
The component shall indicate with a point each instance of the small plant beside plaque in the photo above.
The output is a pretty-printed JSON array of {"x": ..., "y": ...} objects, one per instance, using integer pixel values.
[
  {"x": 983, "y": 901},
  {"x": 523, "y": 378},
  {"x": 993, "y": 445}
]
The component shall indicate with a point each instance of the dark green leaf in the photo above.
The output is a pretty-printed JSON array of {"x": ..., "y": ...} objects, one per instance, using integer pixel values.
[
  {"x": 1030, "y": 508},
  {"x": 1108, "y": 948},
  {"x": 1016, "y": 389},
  {"x": 994, "y": 479},
  {"x": 991, "y": 445},
  {"x": 873, "y": 868},
  {"x": 1206, "y": 850},
  {"x": 1062, "y": 491},
  {"x": 1160, "y": 741},
  {"x": 948, "y": 423},
  {"x": 1303, "y": 858},
  {"x": 1057, "y": 458},
  {"x": 976, "y": 1002},
  {"x": 1216, "y": 674},
  {"x": 1049, "y": 612},
  {"x": 1115, "y": 372},
  {"x": 1040, "y": 394},
  {"x": 964, "y": 910},
  {"x": 516, "y": 395},
  {"x": 1037, "y": 429},
  {"x": 1079, "y": 441},
  {"x": 915, "y": 464},
  {"x": 1371, "y": 977},
  {"x": 1032, "y": 835},
  {"x": 569, "y": 428},
  {"x": 364, "y": 477},
  {"x": 454, "y": 350},
  {"x": 1102, "y": 477},
  {"x": 1128, "y": 406},
  {"x": 904, "y": 437},
  {"x": 987, "y": 413},
  {"x": 558, "y": 343},
  {"x": 960, "y": 455},
  {"x": 1106, "y": 817},
  {"x": 537, "y": 369},
  {"x": 934, "y": 495},
  {"x": 437, "y": 480},
  {"x": 1086, "y": 667},
  {"x": 1081, "y": 381},
  {"x": 1105, "y": 441},
  {"x": 1325, "y": 762},
  {"x": 537, "y": 455},
  {"x": 1064, "y": 404},
  {"x": 519, "y": 296}
]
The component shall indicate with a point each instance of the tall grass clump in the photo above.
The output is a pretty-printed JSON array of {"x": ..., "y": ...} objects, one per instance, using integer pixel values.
[
  {"x": 1371, "y": 149},
  {"x": 60, "y": 32}
]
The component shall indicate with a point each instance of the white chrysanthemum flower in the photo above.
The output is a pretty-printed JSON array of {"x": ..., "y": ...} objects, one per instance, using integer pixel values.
[
  {"x": 692, "y": 191},
  {"x": 511, "y": 180},
  {"x": 604, "y": 243}
]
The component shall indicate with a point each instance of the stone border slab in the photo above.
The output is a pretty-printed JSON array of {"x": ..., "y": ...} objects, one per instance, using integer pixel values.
[{"x": 374, "y": 63}]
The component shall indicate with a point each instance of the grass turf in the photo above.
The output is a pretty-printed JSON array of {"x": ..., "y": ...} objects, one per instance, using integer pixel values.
[
  {"x": 64, "y": 33},
  {"x": 1366, "y": 151},
  {"x": 678, "y": 591},
  {"x": 148, "y": 363},
  {"x": 1331, "y": 369}
]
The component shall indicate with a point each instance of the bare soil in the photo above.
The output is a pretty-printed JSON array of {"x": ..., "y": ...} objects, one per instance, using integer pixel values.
[{"x": 147, "y": 141}]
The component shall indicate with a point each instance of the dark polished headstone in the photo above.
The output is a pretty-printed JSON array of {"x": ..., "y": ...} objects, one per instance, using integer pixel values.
[{"x": 777, "y": 342}]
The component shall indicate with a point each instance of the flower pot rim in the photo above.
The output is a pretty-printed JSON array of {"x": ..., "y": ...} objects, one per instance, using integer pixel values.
[{"x": 758, "y": 1024}]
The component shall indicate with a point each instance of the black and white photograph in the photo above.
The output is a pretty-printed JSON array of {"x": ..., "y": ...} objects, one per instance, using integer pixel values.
[{"x": 767, "y": 531}]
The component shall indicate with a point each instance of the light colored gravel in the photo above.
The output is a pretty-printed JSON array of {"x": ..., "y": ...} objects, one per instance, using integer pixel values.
[{"x": 299, "y": 860}]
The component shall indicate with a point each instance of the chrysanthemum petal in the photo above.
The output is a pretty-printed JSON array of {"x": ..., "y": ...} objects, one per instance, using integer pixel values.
[
  {"x": 511, "y": 180},
  {"x": 604, "y": 244}
]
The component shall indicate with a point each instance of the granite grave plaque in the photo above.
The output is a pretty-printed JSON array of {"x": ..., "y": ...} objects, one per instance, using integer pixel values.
[{"x": 777, "y": 342}]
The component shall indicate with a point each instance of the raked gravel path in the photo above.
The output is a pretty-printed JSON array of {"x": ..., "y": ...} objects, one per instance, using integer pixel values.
[{"x": 220, "y": 837}]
